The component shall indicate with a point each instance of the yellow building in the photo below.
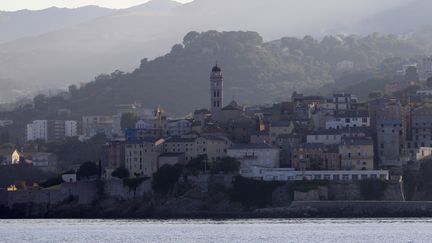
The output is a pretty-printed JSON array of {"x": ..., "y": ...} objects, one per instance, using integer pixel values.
[
  {"x": 280, "y": 128},
  {"x": 215, "y": 147},
  {"x": 356, "y": 154}
]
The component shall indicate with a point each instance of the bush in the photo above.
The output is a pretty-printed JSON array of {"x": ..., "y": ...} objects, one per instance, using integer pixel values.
[
  {"x": 87, "y": 170},
  {"x": 372, "y": 189},
  {"x": 133, "y": 183},
  {"x": 226, "y": 165},
  {"x": 51, "y": 182},
  {"x": 198, "y": 164},
  {"x": 120, "y": 173},
  {"x": 166, "y": 177}
]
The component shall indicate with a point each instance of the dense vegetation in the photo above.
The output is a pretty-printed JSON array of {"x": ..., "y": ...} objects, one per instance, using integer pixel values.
[
  {"x": 22, "y": 173},
  {"x": 88, "y": 169},
  {"x": 255, "y": 71}
]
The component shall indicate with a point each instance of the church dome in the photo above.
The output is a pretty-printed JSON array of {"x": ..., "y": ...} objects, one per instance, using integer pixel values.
[{"x": 216, "y": 69}]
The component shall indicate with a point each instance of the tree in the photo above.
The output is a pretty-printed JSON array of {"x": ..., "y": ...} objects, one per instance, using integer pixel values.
[
  {"x": 187, "y": 40},
  {"x": 165, "y": 178},
  {"x": 128, "y": 120},
  {"x": 197, "y": 164},
  {"x": 120, "y": 173},
  {"x": 225, "y": 165},
  {"x": 39, "y": 101},
  {"x": 87, "y": 169},
  {"x": 411, "y": 74}
]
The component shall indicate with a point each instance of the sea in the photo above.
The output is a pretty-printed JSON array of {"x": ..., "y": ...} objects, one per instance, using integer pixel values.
[{"x": 196, "y": 231}]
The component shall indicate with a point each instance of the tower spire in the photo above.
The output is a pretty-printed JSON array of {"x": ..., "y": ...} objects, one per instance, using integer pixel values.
[{"x": 216, "y": 92}]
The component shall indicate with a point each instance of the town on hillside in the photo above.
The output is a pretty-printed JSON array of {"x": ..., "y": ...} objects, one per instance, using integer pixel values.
[{"x": 312, "y": 138}]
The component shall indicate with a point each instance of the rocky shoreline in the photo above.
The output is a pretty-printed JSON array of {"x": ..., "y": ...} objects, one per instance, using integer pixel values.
[
  {"x": 208, "y": 198},
  {"x": 313, "y": 209}
]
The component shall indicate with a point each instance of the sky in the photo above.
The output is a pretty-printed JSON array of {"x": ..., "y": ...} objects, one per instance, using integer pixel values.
[{"x": 13, "y": 5}]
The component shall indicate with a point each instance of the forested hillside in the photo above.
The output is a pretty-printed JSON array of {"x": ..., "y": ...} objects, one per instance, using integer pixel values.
[{"x": 255, "y": 71}]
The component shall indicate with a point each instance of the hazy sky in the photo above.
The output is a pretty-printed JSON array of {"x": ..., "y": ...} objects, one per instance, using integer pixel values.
[{"x": 12, "y": 5}]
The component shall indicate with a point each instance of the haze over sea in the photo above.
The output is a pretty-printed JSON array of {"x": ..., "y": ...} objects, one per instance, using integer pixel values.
[{"x": 255, "y": 230}]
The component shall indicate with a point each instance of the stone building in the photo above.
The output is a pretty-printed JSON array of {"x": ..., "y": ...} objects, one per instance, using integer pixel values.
[
  {"x": 316, "y": 156},
  {"x": 213, "y": 147},
  {"x": 142, "y": 157},
  {"x": 115, "y": 154},
  {"x": 357, "y": 154}
]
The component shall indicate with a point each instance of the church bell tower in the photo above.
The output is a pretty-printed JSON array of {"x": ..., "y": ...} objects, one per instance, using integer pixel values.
[{"x": 216, "y": 92}]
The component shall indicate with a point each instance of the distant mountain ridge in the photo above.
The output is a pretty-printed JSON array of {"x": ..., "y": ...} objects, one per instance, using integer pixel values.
[
  {"x": 26, "y": 23},
  {"x": 118, "y": 40},
  {"x": 408, "y": 17},
  {"x": 255, "y": 71},
  {"x": 155, "y": 6}
]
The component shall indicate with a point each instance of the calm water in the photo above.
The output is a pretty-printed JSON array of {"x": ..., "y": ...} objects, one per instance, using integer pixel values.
[{"x": 325, "y": 230}]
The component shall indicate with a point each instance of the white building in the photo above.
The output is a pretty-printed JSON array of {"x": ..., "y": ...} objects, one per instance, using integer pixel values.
[
  {"x": 71, "y": 128},
  {"x": 424, "y": 92},
  {"x": 179, "y": 127},
  {"x": 351, "y": 119},
  {"x": 289, "y": 174},
  {"x": 37, "y": 130},
  {"x": 342, "y": 102},
  {"x": 425, "y": 69},
  {"x": 424, "y": 153},
  {"x": 263, "y": 155},
  {"x": 93, "y": 125},
  {"x": 71, "y": 178},
  {"x": 4, "y": 123}
]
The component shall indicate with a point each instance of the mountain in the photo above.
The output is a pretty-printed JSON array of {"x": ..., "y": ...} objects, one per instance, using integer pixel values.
[
  {"x": 76, "y": 54},
  {"x": 26, "y": 23},
  {"x": 408, "y": 17},
  {"x": 255, "y": 72},
  {"x": 155, "y": 6}
]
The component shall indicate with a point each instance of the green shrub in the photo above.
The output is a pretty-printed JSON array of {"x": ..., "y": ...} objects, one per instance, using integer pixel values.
[
  {"x": 165, "y": 178},
  {"x": 51, "y": 182},
  {"x": 133, "y": 183},
  {"x": 87, "y": 169},
  {"x": 120, "y": 173},
  {"x": 225, "y": 165}
]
